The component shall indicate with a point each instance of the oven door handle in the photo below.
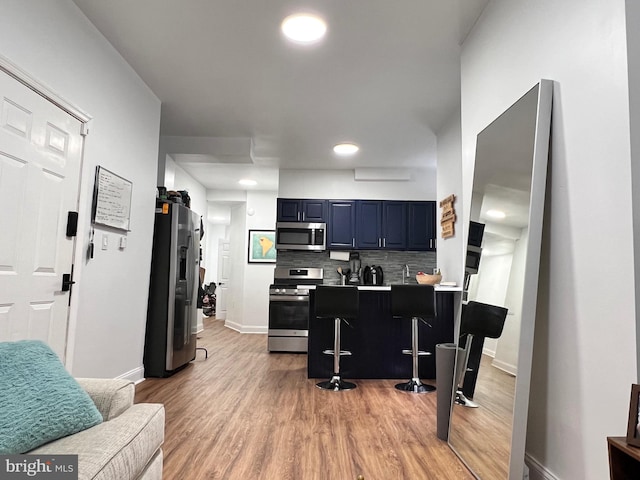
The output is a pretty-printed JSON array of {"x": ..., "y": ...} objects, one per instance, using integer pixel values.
[{"x": 288, "y": 298}]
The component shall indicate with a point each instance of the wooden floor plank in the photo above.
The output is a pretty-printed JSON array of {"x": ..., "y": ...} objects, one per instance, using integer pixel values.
[{"x": 247, "y": 413}]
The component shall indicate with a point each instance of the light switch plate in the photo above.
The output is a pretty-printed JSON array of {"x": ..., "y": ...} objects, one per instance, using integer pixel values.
[{"x": 105, "y": 241}]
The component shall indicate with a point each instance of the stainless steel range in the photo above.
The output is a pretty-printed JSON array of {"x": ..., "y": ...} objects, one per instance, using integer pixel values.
[{"x": 289, "y": 308}]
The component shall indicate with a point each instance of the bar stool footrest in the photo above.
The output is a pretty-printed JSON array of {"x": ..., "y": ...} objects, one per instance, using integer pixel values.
[
  {"x": 420, "y": 353},
  {"x": 342, "y": 352}
]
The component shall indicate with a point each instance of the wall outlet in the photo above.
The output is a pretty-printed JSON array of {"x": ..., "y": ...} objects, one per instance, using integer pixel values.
[
  {"x": 105, "y": 241},
  {"x": 123, "y": 243}
]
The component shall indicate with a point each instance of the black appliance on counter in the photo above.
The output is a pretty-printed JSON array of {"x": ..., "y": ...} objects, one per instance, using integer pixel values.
[
  {"x": 372, "y": 275},
  {"x": 289, "y": 308},
  {"x": 170, "y": 340}
]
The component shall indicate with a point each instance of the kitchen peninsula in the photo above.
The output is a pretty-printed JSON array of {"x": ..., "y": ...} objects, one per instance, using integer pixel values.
[{"x": 376, "y": 338}]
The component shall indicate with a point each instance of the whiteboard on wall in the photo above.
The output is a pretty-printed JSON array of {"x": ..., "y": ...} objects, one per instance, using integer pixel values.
[{"x": 111, "y": 200}]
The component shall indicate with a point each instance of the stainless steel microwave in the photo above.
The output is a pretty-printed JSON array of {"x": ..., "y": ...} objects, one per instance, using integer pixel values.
[{"x": 301, "y": 236}]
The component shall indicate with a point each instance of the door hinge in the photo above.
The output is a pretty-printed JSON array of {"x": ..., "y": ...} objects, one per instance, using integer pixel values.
[{"x": 72, "y": 224}]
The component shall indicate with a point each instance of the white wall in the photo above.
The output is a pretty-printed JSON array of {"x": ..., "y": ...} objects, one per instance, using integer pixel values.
[
  {"x": 451, "y": 251},
  {"x": 507, "y": 350},
  {"x": 56, "y": 44},
  {"x": 258, "y": 276},
  {"x": 340, "y": 184},
  {"x": 585, "y": 352}
]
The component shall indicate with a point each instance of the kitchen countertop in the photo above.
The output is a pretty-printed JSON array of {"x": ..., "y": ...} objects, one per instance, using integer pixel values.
[{"x": 383, "y": 288}]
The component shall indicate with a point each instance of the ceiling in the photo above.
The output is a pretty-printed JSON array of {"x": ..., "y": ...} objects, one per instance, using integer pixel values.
[{"x": 237, "y": 99}]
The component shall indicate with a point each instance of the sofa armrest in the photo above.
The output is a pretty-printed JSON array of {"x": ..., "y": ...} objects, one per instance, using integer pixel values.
[{"x": 111, "y": 396}]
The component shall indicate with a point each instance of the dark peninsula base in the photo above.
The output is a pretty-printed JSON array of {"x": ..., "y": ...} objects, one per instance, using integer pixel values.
[{"x": 376, "y": 340}]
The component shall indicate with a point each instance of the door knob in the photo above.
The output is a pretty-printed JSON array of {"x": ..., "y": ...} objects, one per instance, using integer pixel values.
[{"x": 66, "y": 282}]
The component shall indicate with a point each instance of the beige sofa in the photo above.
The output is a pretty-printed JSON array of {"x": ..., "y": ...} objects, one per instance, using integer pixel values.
[{"x": 126, "y": 445}]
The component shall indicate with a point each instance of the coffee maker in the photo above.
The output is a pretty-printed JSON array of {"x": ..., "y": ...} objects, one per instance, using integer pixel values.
[{"x": 355, "y": 267}]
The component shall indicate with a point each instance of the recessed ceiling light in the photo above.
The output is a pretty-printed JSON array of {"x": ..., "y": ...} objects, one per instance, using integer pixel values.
[
  {"x": 346, "y": 149},
  {"x": 247, "y": 182},
  {"x": 496, "y": 214},
  {"x": 303, "y": 28}
]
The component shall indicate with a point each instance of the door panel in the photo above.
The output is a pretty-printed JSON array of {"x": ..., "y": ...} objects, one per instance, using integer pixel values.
[
  {"x": 40, "y": 155},
  {"x": 224, "y": 270}
]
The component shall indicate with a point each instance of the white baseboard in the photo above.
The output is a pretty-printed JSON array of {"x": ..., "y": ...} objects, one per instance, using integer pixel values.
[
  {"x": 537, "y": 471},
  {"x": 136, "y": 375},
  {"x": 233, "y": 326},
  {"x": 505, "y": 367},
  {"x": 245, "y": 329}
]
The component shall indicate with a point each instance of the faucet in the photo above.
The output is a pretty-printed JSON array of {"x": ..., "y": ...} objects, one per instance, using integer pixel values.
[{"x": 405, "y": 274}]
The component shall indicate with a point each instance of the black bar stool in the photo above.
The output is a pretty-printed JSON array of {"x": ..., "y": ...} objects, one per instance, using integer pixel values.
[
  {"x": 419, "y": 303},
  {"x": 478, "y": 320},
  {"x": 338, "y": 303}
]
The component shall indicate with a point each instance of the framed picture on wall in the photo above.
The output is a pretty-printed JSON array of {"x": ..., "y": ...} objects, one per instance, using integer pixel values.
[
  {"x": 633, "y": 426},
  {"x": 262, "y": 246}
]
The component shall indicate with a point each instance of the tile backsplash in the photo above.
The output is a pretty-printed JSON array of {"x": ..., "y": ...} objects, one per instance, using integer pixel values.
[{"x": 392, "y": 263}]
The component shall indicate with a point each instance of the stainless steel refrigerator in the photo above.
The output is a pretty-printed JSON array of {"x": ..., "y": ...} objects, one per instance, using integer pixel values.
[{"x": 170, "y": 340}]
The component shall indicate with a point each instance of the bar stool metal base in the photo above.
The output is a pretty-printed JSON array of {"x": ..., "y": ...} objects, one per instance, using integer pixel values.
[
  {"x": 415, "y": 386},
  {"x": 464, "y": 401},
  {"x": 336, "y": 384}
]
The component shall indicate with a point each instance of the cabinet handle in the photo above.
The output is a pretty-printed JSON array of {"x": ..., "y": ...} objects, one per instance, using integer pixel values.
[
  {"x": 384, "y": 243},
  {"x": 303, "y": 216},
  {"x": 353, "y": 242},
  {"x": 379, "y": 243}
]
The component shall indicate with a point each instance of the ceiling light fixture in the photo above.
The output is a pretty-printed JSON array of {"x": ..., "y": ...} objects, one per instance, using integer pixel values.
[
  {"x": 345, "y": 149},
  {"x": 247, "y": 182},
  {"x": 303, "y": 28},
  {"x": 497, "y": 214}
]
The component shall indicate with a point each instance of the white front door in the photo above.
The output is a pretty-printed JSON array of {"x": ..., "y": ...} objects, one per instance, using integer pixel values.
[
  {"x": 40, "y": 155},
  {"x": 224, "y": 269}
]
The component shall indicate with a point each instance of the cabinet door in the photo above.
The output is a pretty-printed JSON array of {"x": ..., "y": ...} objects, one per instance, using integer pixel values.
[
  {"x": 288, "y": 210},
  {"x": 368, "y": 224},
  {"x": 394, "y": 225},
  {"x": 314, "y": 211},
  {"x": 341, "y": 231},
  {"x": 421, "y": 226}
]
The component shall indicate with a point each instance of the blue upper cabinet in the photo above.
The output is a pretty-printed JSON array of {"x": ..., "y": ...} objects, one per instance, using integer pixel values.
[
  {"x": 394, "y": 225},
  {"x": 288, "y": 210},
  {"x": 301, "y": 210},
  {"x": 341, "y": 228},
  {"x": 369, "y": 224},
  {"x": 421, "y": 226},
  {"x": 314, "y": 211},
  {"x": 381, "y": 224}
]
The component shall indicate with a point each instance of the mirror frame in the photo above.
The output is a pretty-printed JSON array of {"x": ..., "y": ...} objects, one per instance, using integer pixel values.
[{"x": 530, "y": 284}]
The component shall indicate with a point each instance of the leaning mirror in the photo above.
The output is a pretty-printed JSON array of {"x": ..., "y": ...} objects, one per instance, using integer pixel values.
[{"x": 489, "y": 414}]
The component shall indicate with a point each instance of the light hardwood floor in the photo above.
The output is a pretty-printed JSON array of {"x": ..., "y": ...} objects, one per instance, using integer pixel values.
[
  {"x": 482, "y": 436},
  {"x": 244, "y": 413}
]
